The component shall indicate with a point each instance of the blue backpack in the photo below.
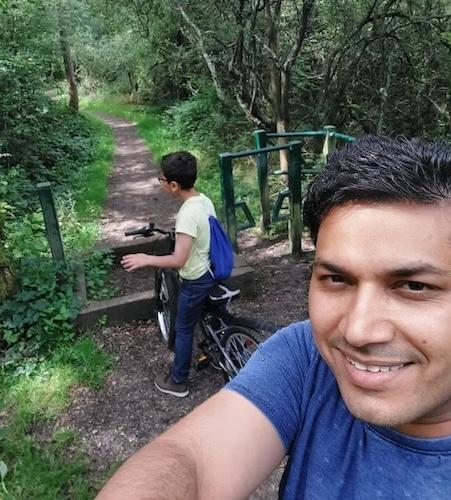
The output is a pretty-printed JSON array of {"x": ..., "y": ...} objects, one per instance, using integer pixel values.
[{"x": 221, "y": 251}]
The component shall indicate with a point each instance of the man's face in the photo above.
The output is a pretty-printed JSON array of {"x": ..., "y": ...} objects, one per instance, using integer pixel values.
[{"x": 380, "y": 306}]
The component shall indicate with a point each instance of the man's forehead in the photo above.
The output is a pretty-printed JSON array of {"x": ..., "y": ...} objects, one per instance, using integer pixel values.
[
  {"x": 394, "y": 236},
  {"x": 409, "y": 208}
]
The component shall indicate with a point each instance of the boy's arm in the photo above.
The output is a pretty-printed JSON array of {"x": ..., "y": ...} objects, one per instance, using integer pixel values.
[
  {"x": 223, "y": 450},
  {"x": 183, "y": 245}
]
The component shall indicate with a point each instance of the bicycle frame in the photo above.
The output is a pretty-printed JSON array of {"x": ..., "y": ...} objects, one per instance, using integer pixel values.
[{"x": 221, "y": 331}]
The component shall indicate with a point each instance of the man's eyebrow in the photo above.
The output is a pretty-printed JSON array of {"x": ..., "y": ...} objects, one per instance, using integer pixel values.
[
  {"x": 418, "y": 269},
  {"x": 402, "y": 272},
  {"x": 333, "y": 268}
]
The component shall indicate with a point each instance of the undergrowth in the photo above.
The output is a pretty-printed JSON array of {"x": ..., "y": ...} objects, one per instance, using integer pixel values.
[
  {"x": 41, "y": 358},
  {"x": 41, "y": 311}
]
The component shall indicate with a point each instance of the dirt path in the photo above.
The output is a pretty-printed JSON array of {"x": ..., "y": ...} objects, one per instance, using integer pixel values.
[
  {"x": 128, "y": 411},
  {"x": 134, "y": 194}
]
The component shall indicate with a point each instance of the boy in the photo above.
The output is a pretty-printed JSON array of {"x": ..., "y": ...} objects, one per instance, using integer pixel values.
[{"x": 179, "y": 172}]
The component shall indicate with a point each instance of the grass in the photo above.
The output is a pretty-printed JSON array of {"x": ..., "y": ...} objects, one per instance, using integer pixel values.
[
  {"x": 54, "y": 466},
  {"x": 79, "y": 208},
  {"x": 93, "y": 179},
  {"x": 80, "y": 212}
]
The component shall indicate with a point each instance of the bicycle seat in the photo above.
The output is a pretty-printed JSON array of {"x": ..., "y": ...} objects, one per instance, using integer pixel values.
[{"x": 221, "y": 294}]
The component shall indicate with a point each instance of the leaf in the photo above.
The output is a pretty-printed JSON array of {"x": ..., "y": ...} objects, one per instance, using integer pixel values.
[
  {"x": 10, "y": 337},
  {"x": 3, "y": 470}
]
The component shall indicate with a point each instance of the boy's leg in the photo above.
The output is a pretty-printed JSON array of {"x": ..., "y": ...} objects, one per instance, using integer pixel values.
[
  {"x": 190, "y": 303},
  {"x": 189, "y": 308}
]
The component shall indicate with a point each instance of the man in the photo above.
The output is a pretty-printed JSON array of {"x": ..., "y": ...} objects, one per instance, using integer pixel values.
[
  {"x": 190, "y": 256},
  {"x": 360, "y": 398}
]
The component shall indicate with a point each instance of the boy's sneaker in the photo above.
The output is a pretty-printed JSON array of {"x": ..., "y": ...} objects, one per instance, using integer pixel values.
[{"x": 164, "y": 383}]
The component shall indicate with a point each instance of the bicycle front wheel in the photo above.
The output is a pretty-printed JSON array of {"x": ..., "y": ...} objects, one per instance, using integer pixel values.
[
  {"x": 239, "y": 344},
  {"x": 166, "y": 292}
]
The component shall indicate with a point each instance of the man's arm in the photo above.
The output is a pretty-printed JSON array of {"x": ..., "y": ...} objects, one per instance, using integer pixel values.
[
  {"x": 177, "y": 259},
  {"x": 222, "y": 450}
]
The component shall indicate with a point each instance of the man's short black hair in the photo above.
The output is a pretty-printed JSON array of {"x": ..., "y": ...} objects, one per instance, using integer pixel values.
[
  {"x": 382, "y": 170},
  {"x": 180, "y": 167}
]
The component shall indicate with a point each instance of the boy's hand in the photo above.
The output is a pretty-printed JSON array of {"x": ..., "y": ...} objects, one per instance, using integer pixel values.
[{"x": 135, "y": 261}]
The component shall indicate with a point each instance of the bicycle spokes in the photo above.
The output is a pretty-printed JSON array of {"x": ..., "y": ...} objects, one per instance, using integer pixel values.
[{"x": 241, "y": 349}]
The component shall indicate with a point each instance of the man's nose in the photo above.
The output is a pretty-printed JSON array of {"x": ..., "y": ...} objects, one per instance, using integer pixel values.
[{"x": 367, "y": 319}]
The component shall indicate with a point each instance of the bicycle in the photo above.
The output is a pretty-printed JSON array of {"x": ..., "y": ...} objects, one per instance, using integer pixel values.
[{"x": 227, "y": 341}]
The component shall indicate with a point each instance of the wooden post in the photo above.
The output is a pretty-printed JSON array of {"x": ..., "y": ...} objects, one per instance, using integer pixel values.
[
  {"x": 262, "y": 172},
  {"x": 294, "y": 184},
  {"x": 51, "y": 223},
  {"x": 225, "y": 166},
  {"x": 330, "y": 141}
]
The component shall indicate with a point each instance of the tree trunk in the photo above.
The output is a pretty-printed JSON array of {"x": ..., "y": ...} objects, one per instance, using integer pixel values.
[
  {"x": 278, "y": 89},
  {"x": 283, "y": 118},
  {"x": 69, "y": 68},
  {"x": 279, "y": 105},
  {"x": 384, "y": 92},
  {"x": 6, "y": 275},
  {"x": 208, "y": 60}
]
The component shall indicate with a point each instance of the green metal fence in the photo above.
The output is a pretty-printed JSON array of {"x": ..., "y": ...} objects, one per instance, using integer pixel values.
[
  {"x": 262, "y": 139},
  {"x": 294, "y": 185},
  {"x": 293, "y": 191}
]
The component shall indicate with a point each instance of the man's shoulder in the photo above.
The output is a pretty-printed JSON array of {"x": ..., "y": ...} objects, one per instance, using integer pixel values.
[
  {"x": 289, "y": 354},
  {"x": 283, "y": 379},
  {"x": 294, "y": 336}
]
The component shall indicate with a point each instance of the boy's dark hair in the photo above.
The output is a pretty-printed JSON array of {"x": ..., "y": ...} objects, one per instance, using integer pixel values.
[
  {"x": 380, "y": 169},
  {"x": 180, "y": 167}
]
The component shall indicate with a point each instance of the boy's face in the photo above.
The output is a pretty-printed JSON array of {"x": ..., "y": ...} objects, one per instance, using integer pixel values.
[
  {"x": 380, "y": 306},
  {"x": 169, "y": 187}
]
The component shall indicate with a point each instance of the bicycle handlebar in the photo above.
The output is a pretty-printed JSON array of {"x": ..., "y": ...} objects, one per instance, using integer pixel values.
[{"x": 147, "y": 230}]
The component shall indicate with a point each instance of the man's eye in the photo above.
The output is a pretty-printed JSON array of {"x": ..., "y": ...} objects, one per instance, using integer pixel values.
[
  {"x": 332, "y": 278},
  {"x": 415, "y": 286}
]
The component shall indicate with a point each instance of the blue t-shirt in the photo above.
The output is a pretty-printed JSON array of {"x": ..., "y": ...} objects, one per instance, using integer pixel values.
[{"x": 333, "y": 455}]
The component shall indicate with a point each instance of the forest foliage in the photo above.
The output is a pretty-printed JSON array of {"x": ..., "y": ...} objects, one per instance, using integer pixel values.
[{"x": 363, "y": 65}]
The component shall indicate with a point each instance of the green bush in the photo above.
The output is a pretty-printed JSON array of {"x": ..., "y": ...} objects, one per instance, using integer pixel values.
[
  {"x": 40, "y": 140},
  {"x": 97, "y": 269},
  {"x": 40, "y": 315},
  {"x": 204, "y": 121}
]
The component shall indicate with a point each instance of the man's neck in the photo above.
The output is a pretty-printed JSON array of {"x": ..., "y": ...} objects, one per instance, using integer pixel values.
[{"x": 426, "y": 430}]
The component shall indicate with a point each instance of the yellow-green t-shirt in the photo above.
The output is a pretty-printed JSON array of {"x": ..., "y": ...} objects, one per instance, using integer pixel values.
[{"x": 192, "y": 219}]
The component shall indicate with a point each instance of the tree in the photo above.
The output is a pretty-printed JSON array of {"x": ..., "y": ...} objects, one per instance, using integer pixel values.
[
  {"x": 6, "y": 274},
  {"x": 69, "y": 66}
]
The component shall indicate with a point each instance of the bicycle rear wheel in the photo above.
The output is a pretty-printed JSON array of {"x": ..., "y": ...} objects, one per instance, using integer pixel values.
[
  {"x": 263, "y": 327},
  {"x": 166, "y": 292},
  {"x": 239, "y": 344}
]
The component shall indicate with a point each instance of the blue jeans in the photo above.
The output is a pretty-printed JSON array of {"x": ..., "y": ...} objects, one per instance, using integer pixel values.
[{"x": 189, "y": 307}]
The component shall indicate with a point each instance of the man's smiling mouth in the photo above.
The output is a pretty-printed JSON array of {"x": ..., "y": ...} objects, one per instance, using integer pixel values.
[{"x": 374, "y": 368}]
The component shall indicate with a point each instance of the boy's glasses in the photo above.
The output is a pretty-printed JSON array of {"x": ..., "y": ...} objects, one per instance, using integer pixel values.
[{"x": 162, "y": 179}]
